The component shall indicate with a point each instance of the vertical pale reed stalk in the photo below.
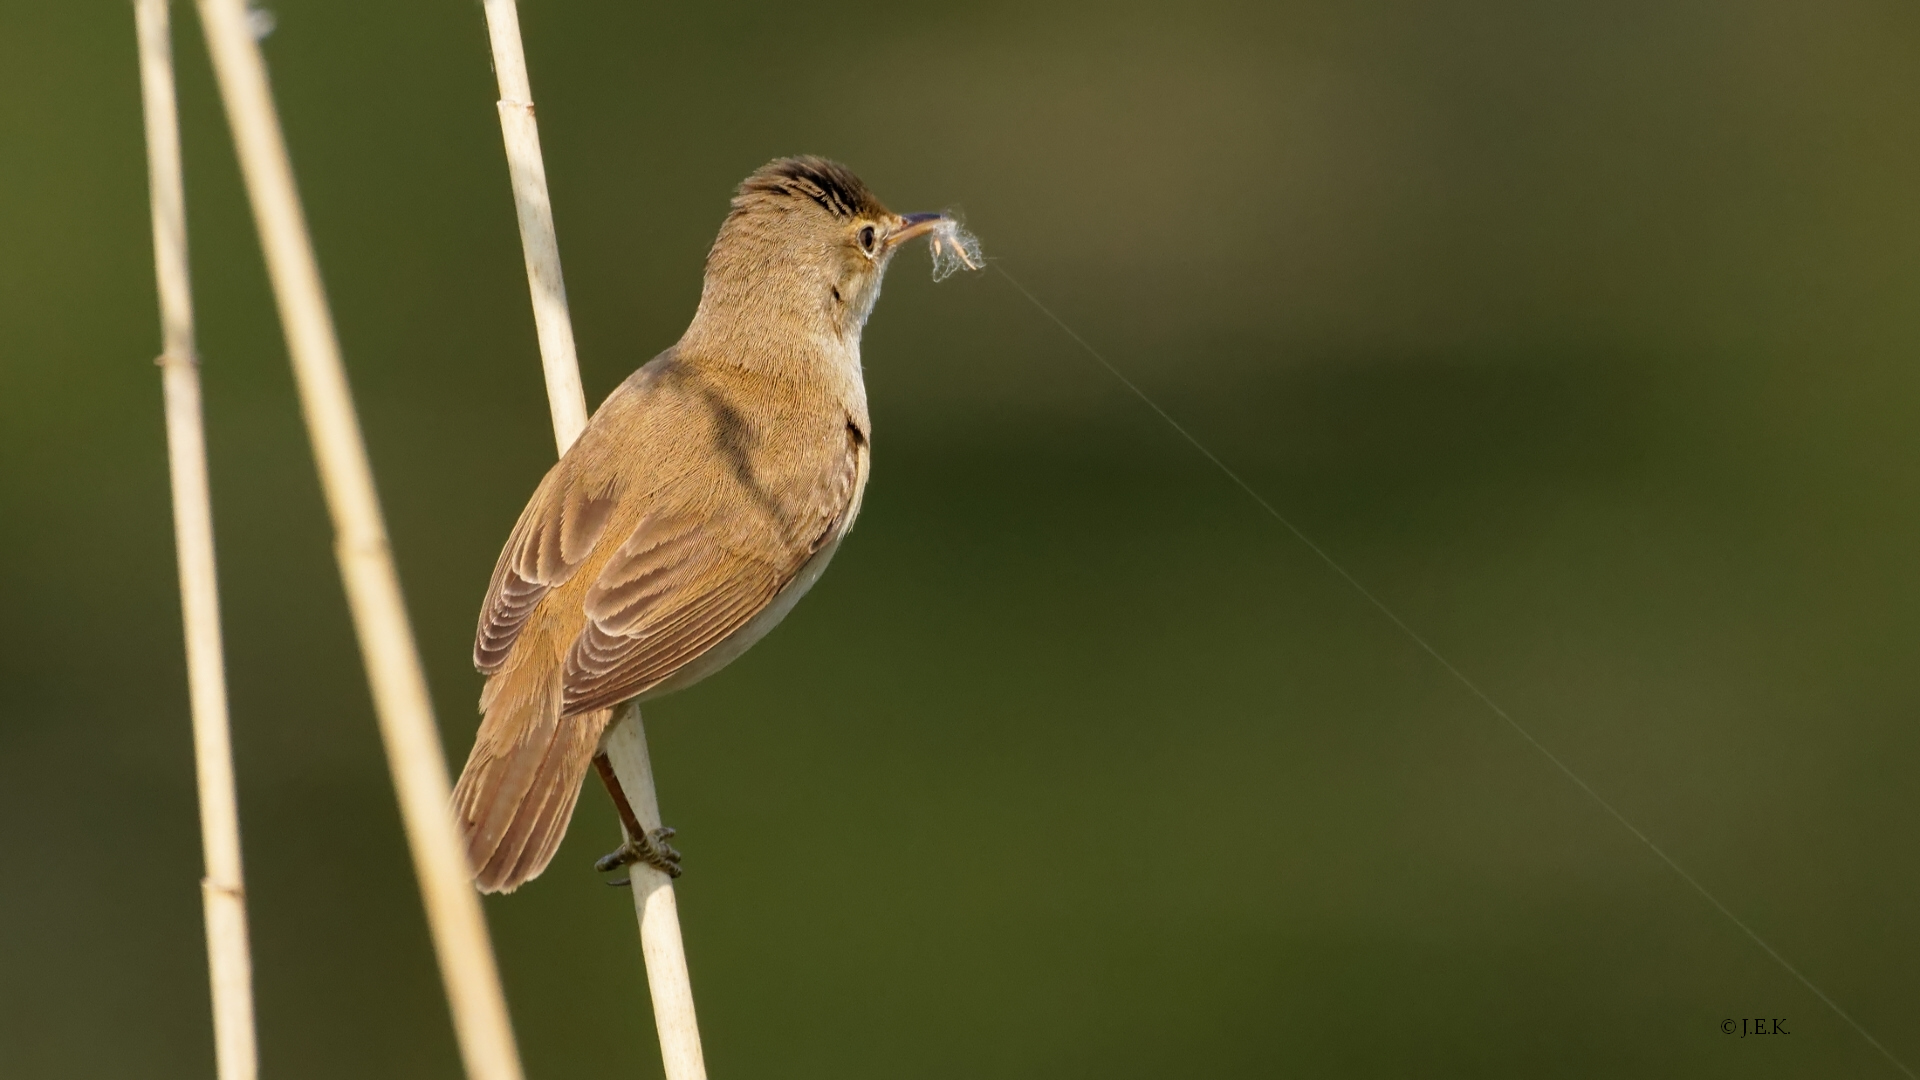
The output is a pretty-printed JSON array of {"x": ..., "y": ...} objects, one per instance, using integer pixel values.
[
  {"x": 528, "y": 172},
  {"x": 626, "y": 741},
  {"x": 653, "y": 902},
  {"x": 414, "y": 754},
  {"x": 222, "y": 893}
]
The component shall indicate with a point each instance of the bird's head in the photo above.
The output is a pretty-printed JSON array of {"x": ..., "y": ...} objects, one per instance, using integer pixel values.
[{"x": 805, "y": 243}]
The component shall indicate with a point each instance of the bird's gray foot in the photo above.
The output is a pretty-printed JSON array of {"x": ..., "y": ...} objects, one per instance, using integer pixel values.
[{"x": 650, "y": 848}]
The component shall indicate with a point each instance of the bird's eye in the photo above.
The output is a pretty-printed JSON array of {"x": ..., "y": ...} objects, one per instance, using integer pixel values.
[{"x": 866, "y": 239}]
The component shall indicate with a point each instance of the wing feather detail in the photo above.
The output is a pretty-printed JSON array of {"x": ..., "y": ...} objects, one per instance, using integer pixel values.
[
  {"x": 552, "y": 538},
  {"x": 680, "y": 584}
]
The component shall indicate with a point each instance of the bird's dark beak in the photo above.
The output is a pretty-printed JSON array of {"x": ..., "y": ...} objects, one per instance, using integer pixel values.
[{"x": 915, "y": 225}]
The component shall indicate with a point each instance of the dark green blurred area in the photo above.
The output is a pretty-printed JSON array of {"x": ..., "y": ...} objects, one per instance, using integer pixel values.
[{"x": 1584, "y": 334}]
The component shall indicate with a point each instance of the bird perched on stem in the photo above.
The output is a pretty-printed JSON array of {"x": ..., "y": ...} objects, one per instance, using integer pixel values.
[{"x": 704, "y": 497}]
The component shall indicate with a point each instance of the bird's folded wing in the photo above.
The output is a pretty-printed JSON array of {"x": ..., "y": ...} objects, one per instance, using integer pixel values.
[
  {"x": 682, "y": 582},
  {"x": 556, "y": 532}
]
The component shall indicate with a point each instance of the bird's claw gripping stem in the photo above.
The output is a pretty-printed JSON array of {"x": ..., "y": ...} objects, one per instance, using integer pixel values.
[{"x": 649, "y": 847}]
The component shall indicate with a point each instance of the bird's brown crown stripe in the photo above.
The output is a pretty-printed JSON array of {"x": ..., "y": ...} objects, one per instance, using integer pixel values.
[{"x": 828, "y": 183}]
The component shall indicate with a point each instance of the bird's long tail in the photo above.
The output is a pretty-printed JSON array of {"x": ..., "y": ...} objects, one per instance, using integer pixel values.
[{"x": 521, "y": 782}]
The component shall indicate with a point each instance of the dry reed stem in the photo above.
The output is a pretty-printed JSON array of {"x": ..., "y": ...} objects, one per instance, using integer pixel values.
[
  {"x": 531, "y": 203},
  {"x": 223, "y": 897},
  {"x": 653, "y": 902},
  {"x": 414, "y": 753},
  {"x": 626, "y": 741}
]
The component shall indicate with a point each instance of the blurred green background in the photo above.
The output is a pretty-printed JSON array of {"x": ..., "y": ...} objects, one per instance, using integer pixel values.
[{"x": 1585, "y": 334}]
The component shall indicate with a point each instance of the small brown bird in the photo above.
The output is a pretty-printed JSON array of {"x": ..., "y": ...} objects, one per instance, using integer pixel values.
[{"x": 703, "y": 499}]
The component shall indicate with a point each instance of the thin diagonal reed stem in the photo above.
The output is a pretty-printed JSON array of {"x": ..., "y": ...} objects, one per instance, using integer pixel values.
[
  {"x": 223, "y": 895},
  {"x": 626, "y": 740}
]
